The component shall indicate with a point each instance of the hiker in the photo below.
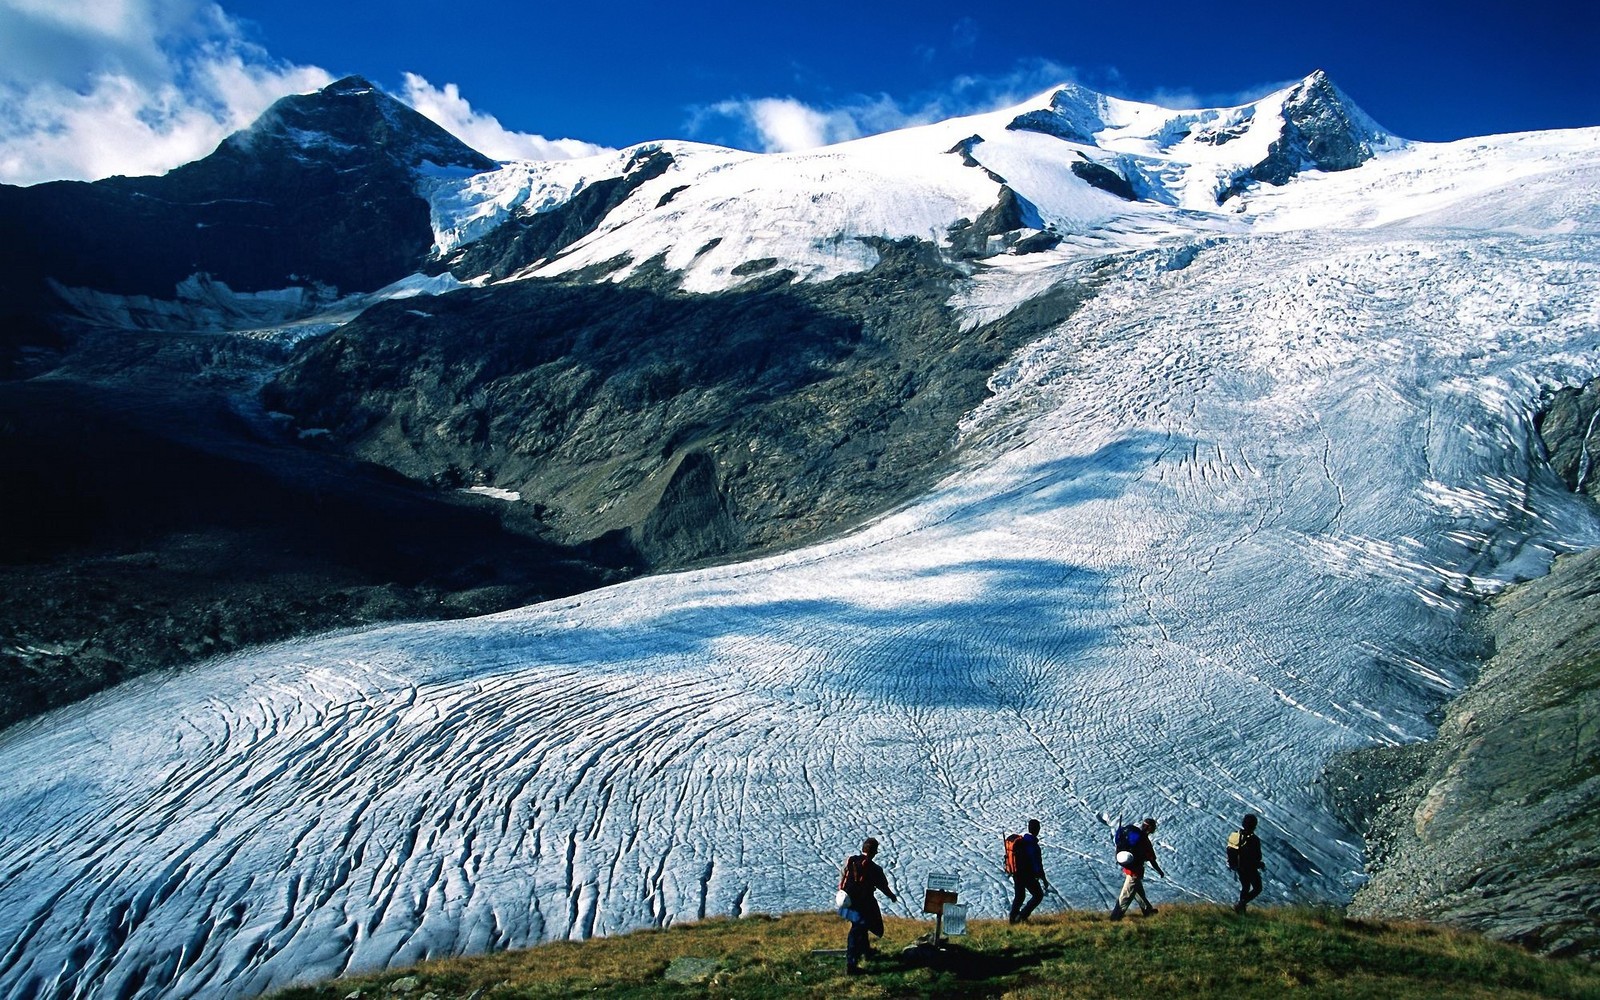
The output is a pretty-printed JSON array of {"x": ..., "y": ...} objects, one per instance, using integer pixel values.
[
  {"x": 1244, "y": 857},
  {"x": 1134, "y": 850},
  {"x": 859, "y": 881},
  {"x": 1026, "y": 864}
]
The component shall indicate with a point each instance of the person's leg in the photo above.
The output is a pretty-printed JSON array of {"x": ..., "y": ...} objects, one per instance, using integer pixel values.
[
  {"x": 1016, "y": 898},
  {"x": 1138, "y": 893},
  {"x": 1249, "y": 888},
  {"x": 1037, "y": 892},
  {"x": 1129, "y": 884},
  {"x": 855, "y": 945}
]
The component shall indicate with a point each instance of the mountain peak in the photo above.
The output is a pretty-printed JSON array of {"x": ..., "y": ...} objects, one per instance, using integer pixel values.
[
  {"x": 1323, "y": 128},
  {"x": 352, "y": 119},
  {"x": 349, "y": 86},
  {"x": 1075, "y": 113}
]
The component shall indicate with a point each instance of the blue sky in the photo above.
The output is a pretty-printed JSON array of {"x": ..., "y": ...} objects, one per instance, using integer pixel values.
[{"x": 91, "y": 87}]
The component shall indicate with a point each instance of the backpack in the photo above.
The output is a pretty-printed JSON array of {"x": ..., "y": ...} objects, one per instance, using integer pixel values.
[
  {"x": 854, "y": 877},
  {"x": 1234, "y": 840},
  {"x": 1128, "y": 837},
  {"x": 1013, "y": 848}
]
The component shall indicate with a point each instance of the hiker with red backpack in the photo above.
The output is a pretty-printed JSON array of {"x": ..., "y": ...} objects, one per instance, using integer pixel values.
[
  {"x": 858, "y": 883},
  {"x": 1025, "y": 865},
  {"x": 1135, "y": 849}
]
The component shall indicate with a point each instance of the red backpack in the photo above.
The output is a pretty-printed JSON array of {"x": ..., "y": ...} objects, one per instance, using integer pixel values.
[
  {"x": 854, "y": 876},
  {"x": 1013, "y": 848}
]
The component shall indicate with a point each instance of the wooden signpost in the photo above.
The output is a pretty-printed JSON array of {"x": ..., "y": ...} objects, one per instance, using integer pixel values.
[{"x": 940, "y": 899}]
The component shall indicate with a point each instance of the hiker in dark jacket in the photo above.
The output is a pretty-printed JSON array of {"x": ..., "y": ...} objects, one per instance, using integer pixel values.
[
  {"x": 1029, "y": 877},
  {"x": 1142, "y": 852},
  {"x": 859, "y": 881},
  {"x": 1244, "y": 857}
]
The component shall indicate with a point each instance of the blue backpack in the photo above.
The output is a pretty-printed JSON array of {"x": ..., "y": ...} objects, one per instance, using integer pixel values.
[{"x": 1128, "y": 837}]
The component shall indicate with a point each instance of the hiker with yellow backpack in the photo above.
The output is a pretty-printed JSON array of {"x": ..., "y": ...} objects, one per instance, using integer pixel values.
[{"x": 1244, "y": 857}]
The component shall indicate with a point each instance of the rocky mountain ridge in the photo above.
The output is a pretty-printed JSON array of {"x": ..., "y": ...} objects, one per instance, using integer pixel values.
[{"x": 324, "y": 192}]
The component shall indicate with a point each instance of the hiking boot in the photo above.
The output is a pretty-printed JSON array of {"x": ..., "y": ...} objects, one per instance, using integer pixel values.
[
  {"x": 1149, "y": 913},
  {"x": 853, "y": 970},
  {"x": 1116, "y": 913},
  {"x": 1238, "y": 907}
]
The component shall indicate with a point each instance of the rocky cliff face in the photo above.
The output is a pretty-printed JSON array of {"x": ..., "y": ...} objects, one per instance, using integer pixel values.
[
  {"x": 322, "y": 189},
  {"x": 1569, "y": 428},
  {"x": 679, "y": 427},
  {"x": 1321, "y": 130},
  {"x": 1495, "y": 824}
]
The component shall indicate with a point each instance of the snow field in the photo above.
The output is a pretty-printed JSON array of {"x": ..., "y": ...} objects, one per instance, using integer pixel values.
[{"x": 1222, "y": 524}]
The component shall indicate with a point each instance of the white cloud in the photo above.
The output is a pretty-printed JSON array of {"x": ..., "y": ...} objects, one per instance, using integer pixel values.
[
  {"x": 783, "y": 124},
  {"x": 102, "y": 87},
  {"x": 482, "y": 131}
]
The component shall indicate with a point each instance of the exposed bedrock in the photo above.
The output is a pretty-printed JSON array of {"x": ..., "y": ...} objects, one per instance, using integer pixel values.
[
  {"x": 678, "y": 428},
  {"x": 1569, "y": 429},
  {"x": 1495, "y": 824}
]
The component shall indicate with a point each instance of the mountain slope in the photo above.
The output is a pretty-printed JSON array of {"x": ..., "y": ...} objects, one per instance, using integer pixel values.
[
  {"x": 692, "y": 427},
  {"x": 1207, "y": 529},
  {"x": 1069, "y": 166},
  {"x": 1517, "y": 754}
]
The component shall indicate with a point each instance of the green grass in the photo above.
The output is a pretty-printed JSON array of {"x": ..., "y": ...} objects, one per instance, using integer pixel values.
[{"x": 1182, "y": 951}]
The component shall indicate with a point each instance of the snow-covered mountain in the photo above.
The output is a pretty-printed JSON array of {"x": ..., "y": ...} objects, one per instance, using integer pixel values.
[
  {"x": 1070, "y": 165},
  {"x": 1219, "y": 523}
]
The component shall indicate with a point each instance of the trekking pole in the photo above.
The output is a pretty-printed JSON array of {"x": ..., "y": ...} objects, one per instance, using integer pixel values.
[{"x": 1060, "y": 899}]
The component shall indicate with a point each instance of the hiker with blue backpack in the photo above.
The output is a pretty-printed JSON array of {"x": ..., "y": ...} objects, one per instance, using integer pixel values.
[{"x": 1135, "y": 849}]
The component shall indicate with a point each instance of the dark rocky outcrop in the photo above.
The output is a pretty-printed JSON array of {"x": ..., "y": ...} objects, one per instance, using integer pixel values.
[
  {"x": 964, "y": 150},
  {"x": 1012, "y": 224},
  {"x": 1569, "y": 430},
  {"x": 692, "y": 426},
  {"x": 320, "y": 190},
  {"x": 1103, "y": 177},
  {"x": 1494, "y": 825},
  {"x": 1321, "y": 130}
]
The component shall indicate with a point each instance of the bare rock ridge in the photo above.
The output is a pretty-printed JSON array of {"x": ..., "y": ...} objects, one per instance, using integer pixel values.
[
  {"x": 678, "y": 427},
  {"x": 1569, "y": 428},
  {"x": 1494, "y": 824},
  {"x": 321, "y": 190}
]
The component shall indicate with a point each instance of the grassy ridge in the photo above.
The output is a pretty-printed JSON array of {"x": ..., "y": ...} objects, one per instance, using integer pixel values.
[{"x": 1182, "y": 951}]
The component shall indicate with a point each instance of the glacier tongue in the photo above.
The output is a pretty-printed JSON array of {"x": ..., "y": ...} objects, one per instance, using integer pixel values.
[{"x": 1223, "y": 523}]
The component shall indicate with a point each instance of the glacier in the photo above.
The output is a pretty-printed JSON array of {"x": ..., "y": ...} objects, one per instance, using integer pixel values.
[{"x": 1229, "y": 519}]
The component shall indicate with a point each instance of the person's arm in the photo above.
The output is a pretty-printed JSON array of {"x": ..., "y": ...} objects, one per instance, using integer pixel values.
[{"x": 883, "y": 885}]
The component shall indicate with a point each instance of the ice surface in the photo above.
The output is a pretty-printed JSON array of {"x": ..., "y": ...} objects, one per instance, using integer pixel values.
[{"x": 1221, "y": 524}]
